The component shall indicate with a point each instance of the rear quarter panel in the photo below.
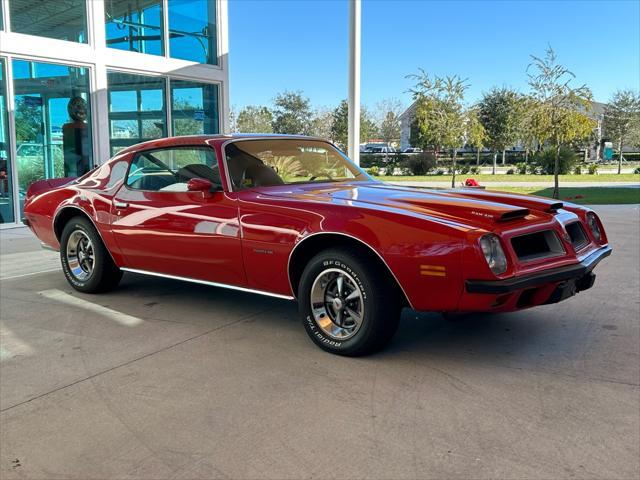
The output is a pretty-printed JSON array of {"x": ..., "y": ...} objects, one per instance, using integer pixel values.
[{"x": 91, "y": 195}]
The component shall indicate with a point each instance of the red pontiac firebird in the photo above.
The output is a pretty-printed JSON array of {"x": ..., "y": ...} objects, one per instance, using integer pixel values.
[{"x": 292, "y": 217}]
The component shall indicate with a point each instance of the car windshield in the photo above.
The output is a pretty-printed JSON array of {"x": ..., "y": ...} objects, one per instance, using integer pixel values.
[{"x": 283, "y": 161}]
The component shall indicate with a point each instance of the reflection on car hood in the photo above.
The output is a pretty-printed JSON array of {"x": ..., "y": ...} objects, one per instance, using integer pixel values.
[{"x": 468, "y": 205}]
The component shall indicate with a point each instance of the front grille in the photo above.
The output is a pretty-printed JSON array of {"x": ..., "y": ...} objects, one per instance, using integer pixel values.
[
  {"x": 534, "y": 246},
  {"x": 577, "y": 235}
]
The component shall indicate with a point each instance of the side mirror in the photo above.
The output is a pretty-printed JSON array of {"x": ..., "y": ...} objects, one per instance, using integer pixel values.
[
  {"x": 199, "y": 185},
  {"x": 204, "y": 186}
]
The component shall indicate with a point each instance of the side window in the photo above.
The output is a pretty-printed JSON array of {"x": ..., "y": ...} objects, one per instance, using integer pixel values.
[{"x": 169, "y": 169}]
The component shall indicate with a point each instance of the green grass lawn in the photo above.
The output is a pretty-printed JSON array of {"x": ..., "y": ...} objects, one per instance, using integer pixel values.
[
  {"x": 625, "y": 177},
  {"x": 583, "y": 195}
]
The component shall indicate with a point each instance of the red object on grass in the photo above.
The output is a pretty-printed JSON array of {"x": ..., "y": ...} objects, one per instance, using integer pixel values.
[{"x": 470, "y": 182}]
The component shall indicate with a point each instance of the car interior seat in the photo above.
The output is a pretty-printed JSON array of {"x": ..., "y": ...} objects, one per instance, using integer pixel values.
[
  {"x": 263, "y": 176},
  {"x": 199, "y": 170},
  {"x": 246, "y": 169}
]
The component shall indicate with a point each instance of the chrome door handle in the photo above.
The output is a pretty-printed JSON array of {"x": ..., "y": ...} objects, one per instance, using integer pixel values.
[{"x": 120, "y": 204}]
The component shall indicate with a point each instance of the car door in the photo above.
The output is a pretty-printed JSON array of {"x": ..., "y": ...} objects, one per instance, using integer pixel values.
[{"x": 162, "y": 228}]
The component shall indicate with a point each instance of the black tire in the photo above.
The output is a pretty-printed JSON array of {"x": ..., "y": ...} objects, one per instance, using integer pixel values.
[
  {"x": 379, "y": 298},
  {"x": 103, "y": 275}
]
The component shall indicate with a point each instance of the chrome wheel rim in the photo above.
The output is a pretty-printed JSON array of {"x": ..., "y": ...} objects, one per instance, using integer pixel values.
[
  {"x": 337, "y": 304},
  {"x": 80, "y": 255}
]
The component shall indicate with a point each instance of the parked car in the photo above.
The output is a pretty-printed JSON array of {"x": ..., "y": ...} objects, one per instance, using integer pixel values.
[
  {"x": 292, "y": 217},
  {"x": 379, "y": 148},
  {"x": 412, "y": 150}
]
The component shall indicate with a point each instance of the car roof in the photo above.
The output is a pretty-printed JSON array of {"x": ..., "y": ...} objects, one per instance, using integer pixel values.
[{"x": 209, "y": 139}]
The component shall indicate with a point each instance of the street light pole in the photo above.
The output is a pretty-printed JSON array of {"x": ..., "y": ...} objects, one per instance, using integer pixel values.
[{"x": 354, "y": 81}]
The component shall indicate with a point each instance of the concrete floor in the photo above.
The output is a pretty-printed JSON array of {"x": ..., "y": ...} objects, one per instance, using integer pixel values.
[{"x": 169, "y": 380}]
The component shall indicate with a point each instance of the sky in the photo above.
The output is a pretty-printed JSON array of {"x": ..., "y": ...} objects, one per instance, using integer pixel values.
[{"x": 303, "y": 45}]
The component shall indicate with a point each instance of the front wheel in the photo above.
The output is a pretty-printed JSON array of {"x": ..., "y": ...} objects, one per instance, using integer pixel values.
[
  {"x": 86, "y": 263},
  {"x": 348, "y": 303}
]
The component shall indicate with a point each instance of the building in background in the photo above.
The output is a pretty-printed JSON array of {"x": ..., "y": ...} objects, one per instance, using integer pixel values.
[{"x": 82, "y": 79}]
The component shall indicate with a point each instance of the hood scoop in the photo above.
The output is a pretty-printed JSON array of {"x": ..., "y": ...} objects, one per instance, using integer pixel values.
[
  {"x": 529, "y": 202},
  {"x": 514, "y": 214},
  {"x": 464, "y": 208}
]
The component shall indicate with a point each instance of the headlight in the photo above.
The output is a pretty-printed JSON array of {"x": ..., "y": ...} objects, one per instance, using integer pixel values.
[
  {"x": 493, "y": 253},
  {"x": 592, "y": 221}
]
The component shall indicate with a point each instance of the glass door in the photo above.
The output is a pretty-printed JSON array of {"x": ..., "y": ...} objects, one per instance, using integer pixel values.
[
  {"x": 7, "y": 209},
  {"x": 52, "y": 121}
]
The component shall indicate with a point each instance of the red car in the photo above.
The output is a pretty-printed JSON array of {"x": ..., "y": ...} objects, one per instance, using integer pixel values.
[{"x": 293, "y": 218}]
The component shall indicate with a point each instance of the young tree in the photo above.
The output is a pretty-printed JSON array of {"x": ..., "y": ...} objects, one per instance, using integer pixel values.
[
  {"x": 563, "y": 106},
  {"x": 321, "y": 123},
  {"x": 390, "y": 128},
  {"x": 387, "y": 117},
  {"x": 475, "y": 132},
  {"x": 622, "y": 119},
  {"x": 339, "y": 125},
  {"x": 233, "y": 120},
  {"x": 500, "y": 114},
  {"x": 368, "y": 127},
  {"x": 532, "y": 126},
  {"x": 291, "y": 114},
  {"x": 440, "y": 118},
  {"x": 255, "y": 119}
]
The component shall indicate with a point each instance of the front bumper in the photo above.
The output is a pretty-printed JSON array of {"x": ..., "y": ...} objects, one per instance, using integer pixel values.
[{"x": 554, "y": 275}]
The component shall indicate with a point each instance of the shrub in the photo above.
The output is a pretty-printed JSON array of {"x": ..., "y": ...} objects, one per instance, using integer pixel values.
[
  {"x": 374, "y": 171},
  {"x": 521, "y": 168},
  {"x": 533, "y": 169},
  {"x": 545, "y": 160},
  {"x": 439, "y": 172},
  {"x": 474, "y": 170},
  {"x": 511, "y": 171},
  {"x": 593, "y": 169},
  {"x": 636, "y": 171},
  {"x": 577, "y": 170},
  {"x": 419, "y": 164}
]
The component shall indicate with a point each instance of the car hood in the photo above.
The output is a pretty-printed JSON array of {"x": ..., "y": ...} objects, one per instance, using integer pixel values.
[{"x": 468, "y": 206}]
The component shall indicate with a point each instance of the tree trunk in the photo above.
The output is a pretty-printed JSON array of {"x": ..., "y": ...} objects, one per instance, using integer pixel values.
[
  {"x": 556, "y": 172},
  {"x": 503, "y": 156},
  {"x": 599, "y": 138},
  {"x": 478, "y": 157},
  {"x": 620, "y": 157},
  {"x": 453, "y": 168},
  {"x": 495, "y": 161}
]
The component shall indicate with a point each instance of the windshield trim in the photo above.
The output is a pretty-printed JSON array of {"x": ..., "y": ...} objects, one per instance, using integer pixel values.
[{"x": 230, "y": 186}]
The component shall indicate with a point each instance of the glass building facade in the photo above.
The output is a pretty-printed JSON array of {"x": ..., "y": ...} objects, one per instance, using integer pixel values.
[{"x": 82, "y": 79}]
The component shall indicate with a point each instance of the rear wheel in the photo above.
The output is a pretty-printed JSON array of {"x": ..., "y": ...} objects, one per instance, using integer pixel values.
[
  {"x": 348, "y": 303},
  {"x": 86, "y": 263}
]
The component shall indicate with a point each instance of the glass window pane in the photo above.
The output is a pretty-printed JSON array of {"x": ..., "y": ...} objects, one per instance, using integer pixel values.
[
  {"x": 135, "y": 25},
  {"x": 137, "y": 109},
  {"x": 62, "y": 20},
  {"x": 192, "y": 30},
  {"x": 53, "y": 121},
  {"x": 279, "y": 161},
  {"x": 194, "y": 108},
  {"x": 169, "y": 170},
  {"x": 6, "y": 179}
]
